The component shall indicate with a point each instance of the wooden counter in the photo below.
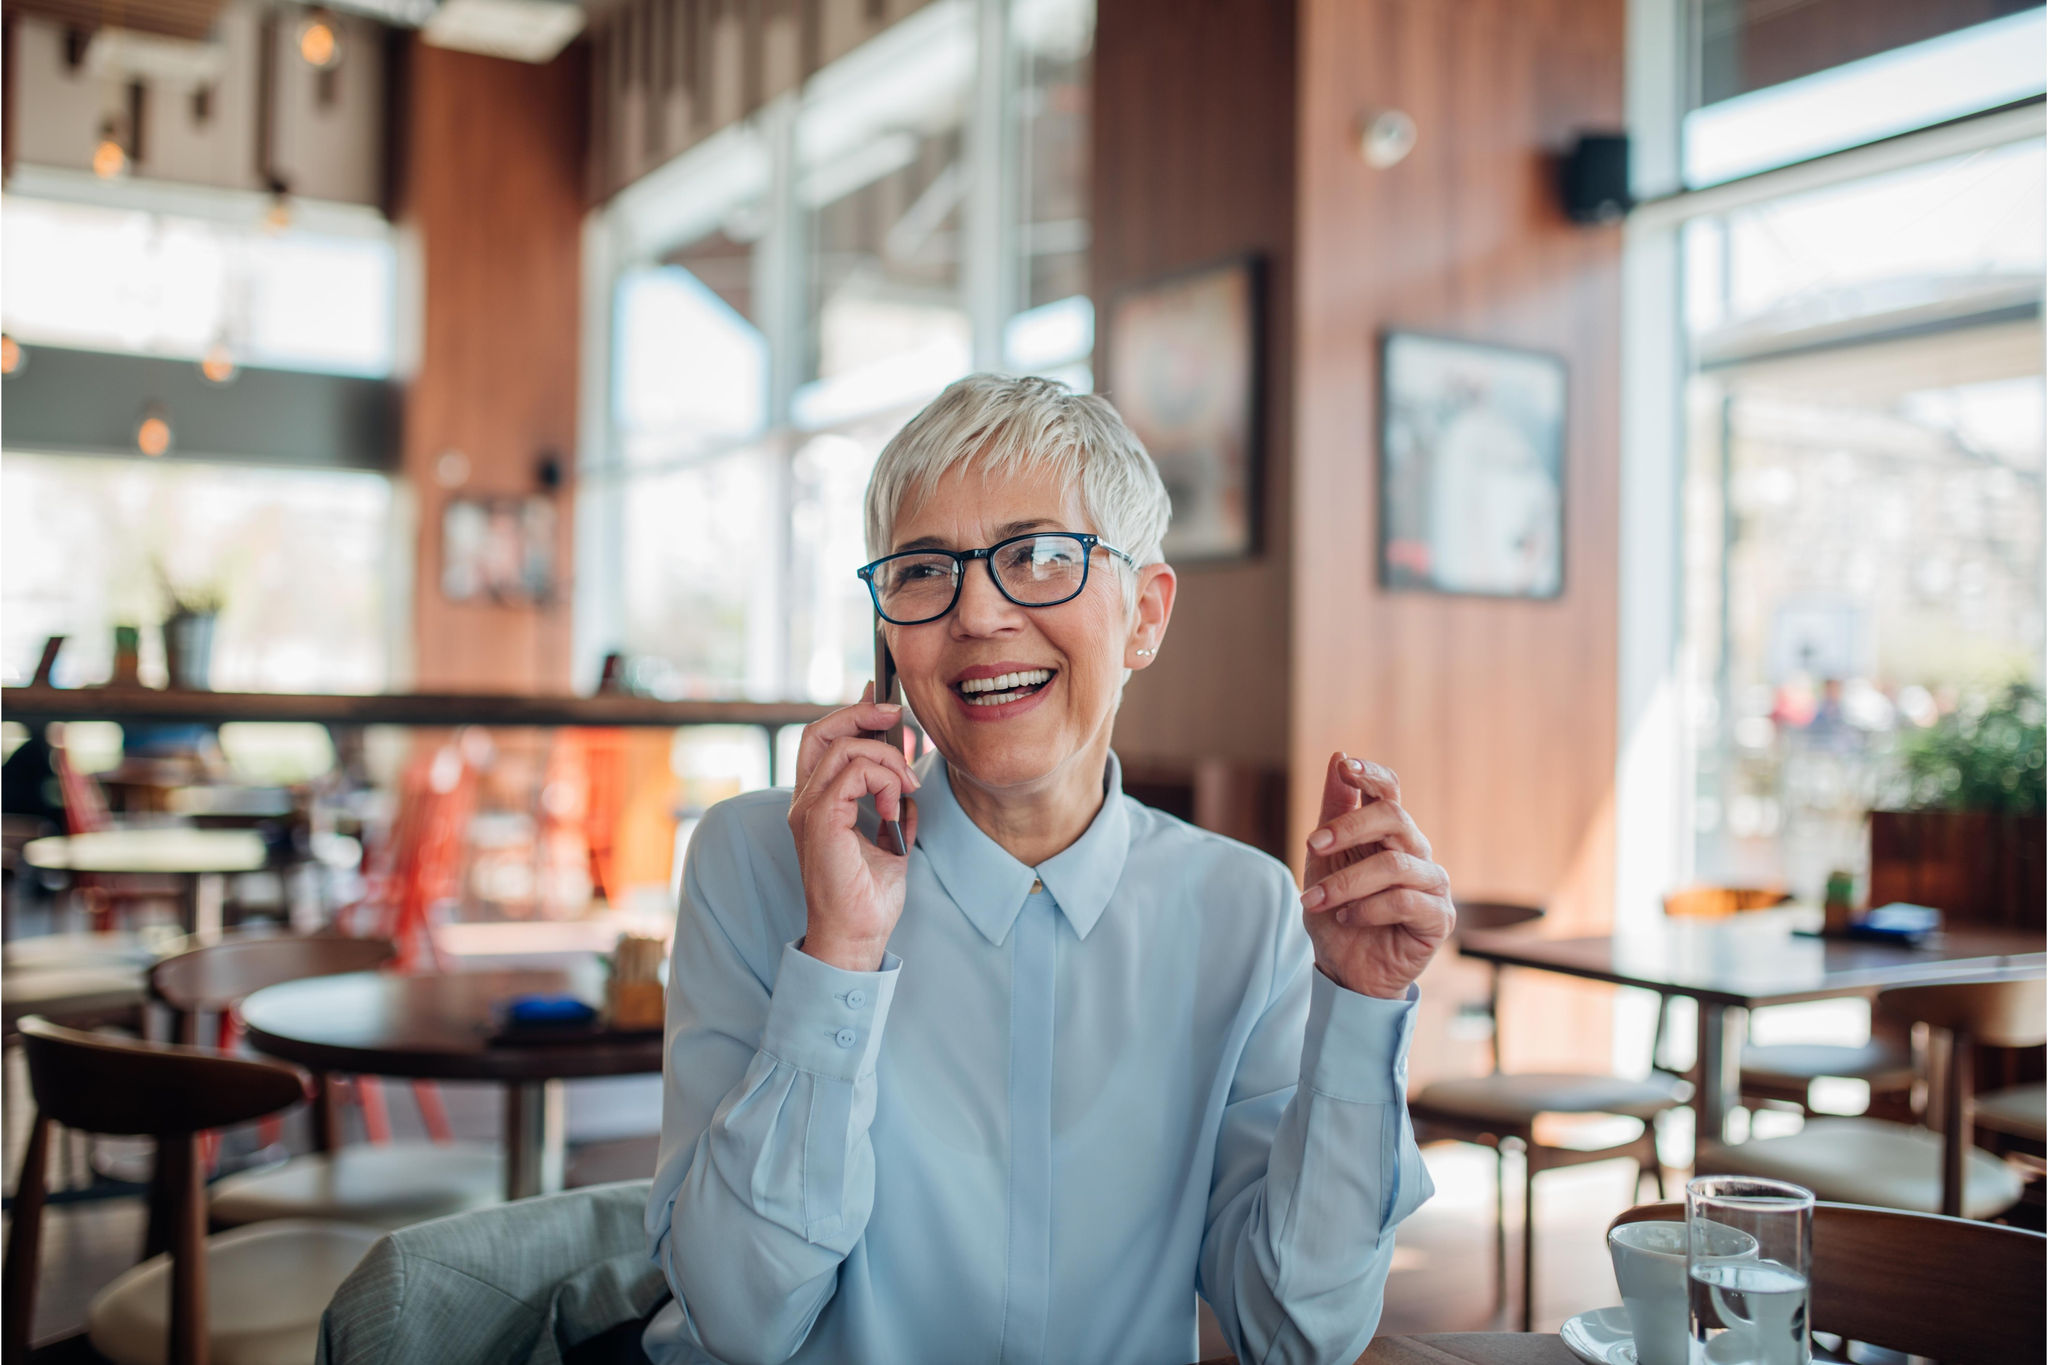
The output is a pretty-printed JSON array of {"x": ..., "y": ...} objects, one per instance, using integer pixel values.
[{"x": 35, "y": 705}]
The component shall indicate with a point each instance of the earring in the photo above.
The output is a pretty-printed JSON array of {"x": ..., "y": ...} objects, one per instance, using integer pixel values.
[{"x": 1147, "y": 653}]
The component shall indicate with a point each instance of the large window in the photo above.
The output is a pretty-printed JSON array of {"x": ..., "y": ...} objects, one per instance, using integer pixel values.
[
  {"x": 307, "y": 567},
  {"x": 1864, "y": 491},
  {"x": 784, "y": 295},
  {"x": 1832, "y": 527},
  {"x": 296, "y": 560},
  {"x": 130, "y": 278}
]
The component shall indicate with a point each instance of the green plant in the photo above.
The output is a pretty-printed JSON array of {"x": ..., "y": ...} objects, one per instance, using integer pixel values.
[
  {"x": 1990, "y": 754},
  {"x": 188, "y": 601}
]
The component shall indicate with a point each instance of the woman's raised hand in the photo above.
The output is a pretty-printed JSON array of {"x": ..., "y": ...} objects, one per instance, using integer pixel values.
[
  {"x": 853, "y": 891},
  {"x": 1376, "y": 906}
]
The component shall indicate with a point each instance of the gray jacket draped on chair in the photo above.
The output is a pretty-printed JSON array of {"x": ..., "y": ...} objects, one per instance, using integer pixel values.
[{"x": 520, "y": 1284}]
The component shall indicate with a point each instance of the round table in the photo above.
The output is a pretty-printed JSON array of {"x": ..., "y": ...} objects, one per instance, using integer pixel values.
[
  {"x": 203, "y": 857},
  {"x": 444, "y": 1027}
]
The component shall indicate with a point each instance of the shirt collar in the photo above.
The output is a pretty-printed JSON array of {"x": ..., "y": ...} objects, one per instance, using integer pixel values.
[{"x": 989, "y": 885}]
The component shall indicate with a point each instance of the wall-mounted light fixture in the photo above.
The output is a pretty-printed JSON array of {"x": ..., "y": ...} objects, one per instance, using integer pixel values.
[
  {"x": 153, "y": 432},
  {"x": 12, "y": 356},
  {"x": 1385, "y": 137},
  {"x": 277, "y": 215},
  {"x": 320, "y": 40},
  {"x": 109, "y": 158}
]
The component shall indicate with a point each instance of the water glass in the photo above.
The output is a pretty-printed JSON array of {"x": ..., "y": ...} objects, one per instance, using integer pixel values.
[{"x": 1748, "y": 1309}]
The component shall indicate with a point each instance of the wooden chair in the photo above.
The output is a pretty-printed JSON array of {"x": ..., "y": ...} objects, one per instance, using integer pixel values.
[
  {"x": 1784, "y": 1073},
  {"x": 1956, "y": 1291},
  {"x": 262, "y": 1287},
  {"x": 1901, "y": 1165},
  {"x": 380, "y": 1184},
  {"x": 1554, "y": 1119}
]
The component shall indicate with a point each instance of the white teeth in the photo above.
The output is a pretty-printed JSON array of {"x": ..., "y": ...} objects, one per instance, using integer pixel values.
[{"x": 994, "y": 688}]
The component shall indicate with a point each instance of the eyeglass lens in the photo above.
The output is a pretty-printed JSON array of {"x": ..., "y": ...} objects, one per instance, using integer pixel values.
[{"x": 1033, "y": 571}]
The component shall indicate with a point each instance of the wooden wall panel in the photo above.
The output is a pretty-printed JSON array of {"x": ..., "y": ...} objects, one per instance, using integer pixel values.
[
  {"x": 492, "y": 186},
  {"x": 1499, "y": 715},
  {"x": 1193, "y": 162}
]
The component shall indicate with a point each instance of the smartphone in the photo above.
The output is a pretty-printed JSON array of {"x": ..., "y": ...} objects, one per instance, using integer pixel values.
[{"x": 891, "y": 833}]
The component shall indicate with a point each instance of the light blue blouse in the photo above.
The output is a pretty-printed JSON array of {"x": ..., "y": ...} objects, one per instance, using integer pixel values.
[{"x": 1073, "y": 1097}]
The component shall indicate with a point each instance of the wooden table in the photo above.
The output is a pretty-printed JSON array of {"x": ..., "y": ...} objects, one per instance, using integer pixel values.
[
  {"x": 443, "y": 1027},
  {"x": 1741, "y": 963},
  {"x": 203, "y": 857}
]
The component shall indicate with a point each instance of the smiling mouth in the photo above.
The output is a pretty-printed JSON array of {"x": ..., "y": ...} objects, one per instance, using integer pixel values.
[{"x": 1007, "y": 688}]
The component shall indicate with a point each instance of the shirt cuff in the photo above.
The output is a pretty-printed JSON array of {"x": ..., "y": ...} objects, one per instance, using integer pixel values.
[
  {"x": 1356, "y": 1048},
  {"x": 827, "y": 1021}
]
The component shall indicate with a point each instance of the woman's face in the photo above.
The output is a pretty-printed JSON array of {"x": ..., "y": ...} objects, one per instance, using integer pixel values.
[{"x": 1061, "y": 729}]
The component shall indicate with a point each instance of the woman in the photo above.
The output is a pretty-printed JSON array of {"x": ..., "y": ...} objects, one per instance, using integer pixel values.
[{"x": 1022, "y": 1094}]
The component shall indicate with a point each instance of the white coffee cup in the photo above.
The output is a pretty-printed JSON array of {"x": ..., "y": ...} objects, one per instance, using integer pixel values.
[{"x": 1649, "y": 1269}]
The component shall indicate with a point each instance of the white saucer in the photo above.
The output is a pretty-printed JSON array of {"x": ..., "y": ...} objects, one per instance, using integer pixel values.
[{"x": 1600, "y": 1336}]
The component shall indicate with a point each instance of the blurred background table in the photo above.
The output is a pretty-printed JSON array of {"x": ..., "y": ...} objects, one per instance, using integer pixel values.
[
  {"x": 202, "y": 858},
  {"x": 1741, "y": 963},
  {"x": 445, "y": 1027}
]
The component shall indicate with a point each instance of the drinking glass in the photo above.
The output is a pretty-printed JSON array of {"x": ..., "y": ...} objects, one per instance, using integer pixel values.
[{"x": 1749, "y": 1309}]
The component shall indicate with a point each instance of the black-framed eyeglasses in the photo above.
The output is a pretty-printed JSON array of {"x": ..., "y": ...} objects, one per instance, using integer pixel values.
[{"x": 1042, "y": 569}]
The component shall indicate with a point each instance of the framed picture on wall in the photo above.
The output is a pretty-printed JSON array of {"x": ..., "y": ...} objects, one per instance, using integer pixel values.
[
  {"x": 1184, "y": 358},
  {"x": 1471, "y": 485},
  {"x": 499, "y": 550}
]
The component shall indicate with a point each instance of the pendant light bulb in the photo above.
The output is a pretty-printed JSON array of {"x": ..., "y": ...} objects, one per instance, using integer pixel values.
[
  {"x": 153, "y": 433},
  {"x": 109, "y": 158},
  {"x": 320, "y": 40},
  {"x": 218, "y": 364}
]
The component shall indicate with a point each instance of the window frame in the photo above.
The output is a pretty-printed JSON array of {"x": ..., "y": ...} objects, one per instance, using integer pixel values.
[{"x": 762, "y": 155}]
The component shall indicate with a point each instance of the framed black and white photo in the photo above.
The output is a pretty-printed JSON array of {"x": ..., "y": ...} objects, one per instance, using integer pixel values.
[
  {"x": 1471, "y": 485},
  {"x": 1184, "y": 365}
]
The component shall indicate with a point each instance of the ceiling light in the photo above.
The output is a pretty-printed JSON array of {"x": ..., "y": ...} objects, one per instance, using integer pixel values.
[{"x": 519, "y": 30}]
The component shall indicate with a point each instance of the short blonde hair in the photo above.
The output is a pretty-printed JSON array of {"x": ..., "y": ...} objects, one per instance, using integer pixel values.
[{"x": 1003, "y": 423}]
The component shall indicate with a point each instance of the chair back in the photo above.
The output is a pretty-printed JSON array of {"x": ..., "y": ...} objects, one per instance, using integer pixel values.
[
  {"x": 219, "y": 976},
  {"x": 1719, "y": 902},
  {"x": 1996, "y": 1013},
  {"x": 99, "y": 1084},
  {"x": 1958, "y": 1291}
]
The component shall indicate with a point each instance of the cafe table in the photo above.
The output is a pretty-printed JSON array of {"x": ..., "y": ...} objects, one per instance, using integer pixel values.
[
  {"x": 1743, "y": 962},
  {"x": 202, "y": 858},
  {"x": 447, "y": 1027}
]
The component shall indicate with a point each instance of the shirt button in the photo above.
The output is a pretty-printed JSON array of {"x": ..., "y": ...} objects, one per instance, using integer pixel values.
[
  {"x": 856, "y": 998},
  {"x": 845, "y": 1037}
]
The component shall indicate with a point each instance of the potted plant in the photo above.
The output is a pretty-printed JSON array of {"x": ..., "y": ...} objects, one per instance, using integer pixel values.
[
  {"x": 188, "y": 633},
  {"x": 1962, "y": 825}
]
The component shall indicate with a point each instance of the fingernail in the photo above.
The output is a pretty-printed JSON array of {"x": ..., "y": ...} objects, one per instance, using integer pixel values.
[
  {"x": 1356, "y": 765},
  {"x": 890, "y": 705},
  {"x": 1312, "y": 897},
  {"x": 1321, "y": 840}
]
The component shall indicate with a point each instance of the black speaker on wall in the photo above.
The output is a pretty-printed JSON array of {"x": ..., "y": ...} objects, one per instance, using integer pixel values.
[{"x": 1593, "y": 176}]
